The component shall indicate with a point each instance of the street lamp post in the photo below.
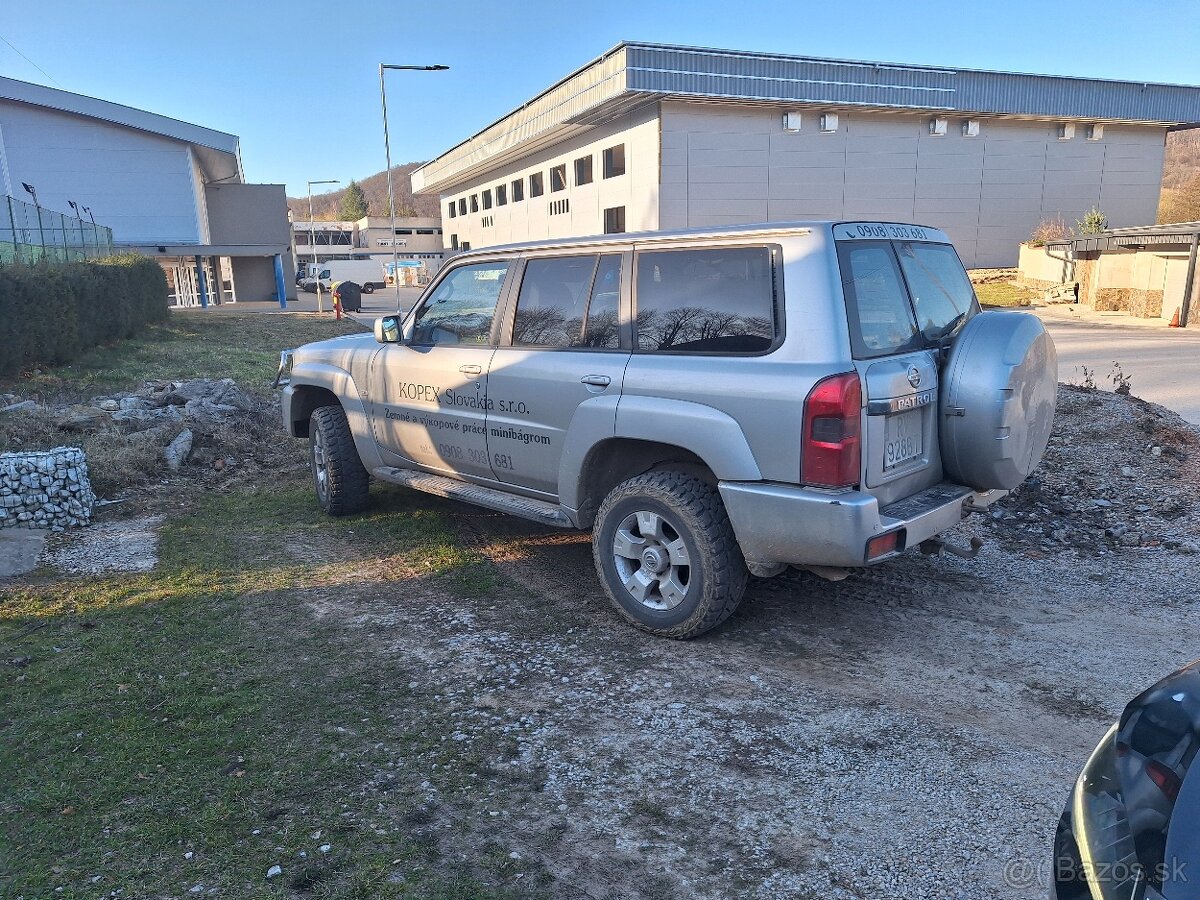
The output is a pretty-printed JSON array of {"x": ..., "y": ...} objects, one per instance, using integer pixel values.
[
  {"x": 312, "y": 236},
  {"x": 387, "y": 149}
]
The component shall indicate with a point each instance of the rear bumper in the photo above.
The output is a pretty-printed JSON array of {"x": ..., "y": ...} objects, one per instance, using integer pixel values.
[{"x": 780, "y": 523}]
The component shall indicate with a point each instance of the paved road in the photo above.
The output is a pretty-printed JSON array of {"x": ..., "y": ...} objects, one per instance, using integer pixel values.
[{"x": 1163, "y": 364}]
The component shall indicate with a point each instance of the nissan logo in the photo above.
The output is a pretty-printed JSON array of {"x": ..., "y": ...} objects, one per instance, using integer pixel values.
[{"x": 914, "y": 376}]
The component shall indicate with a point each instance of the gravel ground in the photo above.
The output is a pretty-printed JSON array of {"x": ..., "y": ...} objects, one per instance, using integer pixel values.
[{"x": 909, "y": 732}]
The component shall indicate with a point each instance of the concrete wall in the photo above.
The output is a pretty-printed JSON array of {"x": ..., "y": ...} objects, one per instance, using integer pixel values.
[
  {"x": 253, "y": 214},
  {"x": 140, "y": 185},
  {"x": 637, "y": 190},
  {"x": 734, "y": 163},
  {"x": 1042, "y": 267}
]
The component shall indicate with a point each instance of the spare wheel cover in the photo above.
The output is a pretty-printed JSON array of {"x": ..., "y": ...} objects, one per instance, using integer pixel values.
[{"x": 998, "y": 394}]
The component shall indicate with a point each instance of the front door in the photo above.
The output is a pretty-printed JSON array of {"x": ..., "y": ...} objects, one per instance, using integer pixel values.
[
  {"x": 562, "y": 348},
  {"x": 430, "y": 395}
]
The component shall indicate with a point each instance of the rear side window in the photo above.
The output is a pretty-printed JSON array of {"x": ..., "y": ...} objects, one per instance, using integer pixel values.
[
  {"x": 461, "y": 308},
  {"x": 881, "y": 320},
  {"x": 718, "y": 300},
  {"x": 938, "y": 284}
]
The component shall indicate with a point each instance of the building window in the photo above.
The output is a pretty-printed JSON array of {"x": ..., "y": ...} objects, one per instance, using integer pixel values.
[
  {"x": 614, "y": 220},
  {"x": 583, "y": 170},
  {"x": 558, "y": 207},
  {"x": 535, "y": 185},
  {"x": 462, "y": 206},
  {"x": 614, "y": 161},
  {"x": 425, "y": 231},
  {"x": 453, "y": 210},
  {"x": 454, "y": 241},
  {"x": 474, "y": 203},
  {"x": 558, "y": 178},
  {"x": 405, "y": 231},
  {"x": 706, "y": 301},
  {"x": 487, "y": 199},
  {"x": 518, "y": 190},
  {"x": 501, "y": 194},
  {"x": 466, "y": 245}
]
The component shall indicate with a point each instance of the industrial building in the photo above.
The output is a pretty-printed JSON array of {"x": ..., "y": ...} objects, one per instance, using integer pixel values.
[
  {"x": 168, "y": 189},
  {"x": 416, "y": 239},
  {"x": 651, "y": 137}
]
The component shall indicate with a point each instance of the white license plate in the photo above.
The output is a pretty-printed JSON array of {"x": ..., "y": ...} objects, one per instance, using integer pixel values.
[{"x": 902, "y": 438}]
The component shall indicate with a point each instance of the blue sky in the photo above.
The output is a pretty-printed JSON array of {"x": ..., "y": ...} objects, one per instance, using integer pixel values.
[{"x": 298, "y": 82}]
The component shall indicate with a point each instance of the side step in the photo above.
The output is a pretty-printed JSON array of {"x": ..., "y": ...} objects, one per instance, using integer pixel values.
[{"x": 535, "y": 510}]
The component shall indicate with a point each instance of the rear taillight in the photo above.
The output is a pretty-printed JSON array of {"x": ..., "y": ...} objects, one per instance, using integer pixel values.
[
  {"x": 1165, "y": 779},
  {"x": 831, "y": 452}
]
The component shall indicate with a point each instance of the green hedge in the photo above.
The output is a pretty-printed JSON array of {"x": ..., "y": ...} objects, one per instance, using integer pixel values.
[{"x": 51, "y": 313}]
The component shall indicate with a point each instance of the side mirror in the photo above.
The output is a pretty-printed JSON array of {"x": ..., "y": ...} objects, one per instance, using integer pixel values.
[{"x": 387, "y": 329}]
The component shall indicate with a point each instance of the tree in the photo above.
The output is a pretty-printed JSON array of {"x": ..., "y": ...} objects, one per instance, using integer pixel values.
[
  {"x": 353, "y": 205},
  {"x": 1093, "y": 222}
]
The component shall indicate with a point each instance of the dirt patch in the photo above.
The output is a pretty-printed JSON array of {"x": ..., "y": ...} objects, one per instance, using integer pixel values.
[{"x": 125, "y": 545}]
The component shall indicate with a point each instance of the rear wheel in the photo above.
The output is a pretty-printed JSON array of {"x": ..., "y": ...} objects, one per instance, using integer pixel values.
[
  {"x": 667, "y": 555},
  {"x": 368, "y": 288},
  {"x": 339, "y": 478}
]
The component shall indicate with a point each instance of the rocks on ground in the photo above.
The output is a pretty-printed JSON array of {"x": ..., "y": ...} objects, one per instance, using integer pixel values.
[{"x": 1120, "y": 474}]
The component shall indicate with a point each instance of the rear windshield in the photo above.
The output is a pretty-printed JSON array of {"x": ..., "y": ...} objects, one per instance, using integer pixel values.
[{"x": 903, "y": 295}]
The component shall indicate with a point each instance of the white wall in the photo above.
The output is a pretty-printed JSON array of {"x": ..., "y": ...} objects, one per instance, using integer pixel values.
[
  {"x": 140, "y": 185},
  {"x": 637, "y": 190},
  {"x": 724, "y": 164}
]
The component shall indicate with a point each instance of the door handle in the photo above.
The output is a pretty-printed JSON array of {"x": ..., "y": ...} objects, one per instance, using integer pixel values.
[
  {"x": 470, "y": 370},
  {"x": 596, "y": 380}
]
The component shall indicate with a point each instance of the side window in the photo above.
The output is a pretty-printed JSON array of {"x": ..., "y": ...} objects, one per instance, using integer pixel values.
[
  {"x": 880, "y": 318},
  {"x": 461, "y": 307},
  {"x": 706, "y": 301},
  {"x": 602, "y": 328},
  {"x": 553, "y": 301}
]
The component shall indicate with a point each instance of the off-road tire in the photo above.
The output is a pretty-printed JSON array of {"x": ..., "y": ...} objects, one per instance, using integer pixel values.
[
  {"x": 717, "y": 573},
  {"x": 346, "y": 481}
]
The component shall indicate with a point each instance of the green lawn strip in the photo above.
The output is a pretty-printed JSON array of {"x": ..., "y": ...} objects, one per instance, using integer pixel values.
[
  {"x": 244, "y": 347},
  {"x": 179, "y": 711},
  {"x": 1004, "y": 293}
]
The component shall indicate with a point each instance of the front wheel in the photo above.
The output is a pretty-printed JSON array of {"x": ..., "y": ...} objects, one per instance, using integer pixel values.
[
  {"x": 667, "y": 555},
  {"x": 340, "y": 480},
  {"x": 368, "y": 288}
]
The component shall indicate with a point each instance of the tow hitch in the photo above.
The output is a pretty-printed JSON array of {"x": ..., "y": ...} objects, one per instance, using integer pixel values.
[{"x": 933, "y": 546}]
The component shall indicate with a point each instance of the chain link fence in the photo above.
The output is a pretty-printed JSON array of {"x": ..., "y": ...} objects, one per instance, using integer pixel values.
[{"x": 30, "y": 234}]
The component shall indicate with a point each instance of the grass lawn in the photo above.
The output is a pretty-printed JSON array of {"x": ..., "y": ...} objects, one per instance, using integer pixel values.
[
  {"x": 179, "y": 733},
  {"x": 1004, "y": 293}
]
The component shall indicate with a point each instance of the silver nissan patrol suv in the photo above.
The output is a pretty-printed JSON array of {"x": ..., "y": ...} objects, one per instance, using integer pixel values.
[{"x": 711, "y": 403}]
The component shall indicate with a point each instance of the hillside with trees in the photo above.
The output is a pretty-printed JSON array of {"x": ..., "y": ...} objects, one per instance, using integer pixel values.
[
  {"x": 1180, "y": 200},
  {"x": 328, "y": 206}
]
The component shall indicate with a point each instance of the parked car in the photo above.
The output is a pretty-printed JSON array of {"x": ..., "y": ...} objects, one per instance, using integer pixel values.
[
  {"x": 1131, "y": 827},
  {"x": 711, "y": 403}
]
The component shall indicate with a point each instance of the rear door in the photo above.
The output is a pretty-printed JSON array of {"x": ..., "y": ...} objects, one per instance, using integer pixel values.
[
  {"x": 563, "y": 345},
  {"x": 906, "y": 294}
]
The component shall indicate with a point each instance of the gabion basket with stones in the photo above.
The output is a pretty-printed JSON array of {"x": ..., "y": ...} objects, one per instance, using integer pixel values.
[{"x": 50, "y": 489}]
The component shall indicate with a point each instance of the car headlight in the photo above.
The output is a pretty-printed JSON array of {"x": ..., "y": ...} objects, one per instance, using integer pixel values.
[
  {"x": 284, "y": 375},
  {"x": 1102, "y": 830}
]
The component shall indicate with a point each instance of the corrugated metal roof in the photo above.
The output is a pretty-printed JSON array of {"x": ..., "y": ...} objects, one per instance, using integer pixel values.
[
  {"x": 219, "y": 152},
  {"x": 633, "y": 73}
]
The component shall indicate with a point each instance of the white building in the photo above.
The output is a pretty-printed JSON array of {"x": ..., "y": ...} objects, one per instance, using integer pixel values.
[
  {"x": 168, "y": 189},
  {"x": 653, "y": 137},
  {"x": 415, "y": 238}
]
